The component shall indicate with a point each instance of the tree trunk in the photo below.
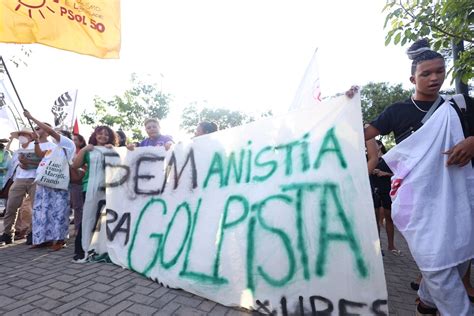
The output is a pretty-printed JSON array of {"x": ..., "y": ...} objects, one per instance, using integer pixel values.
[{"x": 458, "y": 47}]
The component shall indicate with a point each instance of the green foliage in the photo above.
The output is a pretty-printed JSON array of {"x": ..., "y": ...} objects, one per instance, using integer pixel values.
[
  {"x": 128, "y": 111},
  {"x": 375, "y": 97},
  {"x": 224, "y": 118},
  {"x": 444, "y": 22}
]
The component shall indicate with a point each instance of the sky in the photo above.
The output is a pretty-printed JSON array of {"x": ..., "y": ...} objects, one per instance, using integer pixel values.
[{"x": 247, "y": 55}]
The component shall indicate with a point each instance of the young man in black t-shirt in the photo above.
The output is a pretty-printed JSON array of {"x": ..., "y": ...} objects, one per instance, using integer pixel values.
[
  {"x": 441, "y": 288},
  {"x": 403, "y": 118}
]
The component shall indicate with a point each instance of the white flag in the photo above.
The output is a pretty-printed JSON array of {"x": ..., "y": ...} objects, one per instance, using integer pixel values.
[
  {"x": 309, "y": 92},
  {"x": 7, "y": 121},
  {"x": 64, "y": 108}
]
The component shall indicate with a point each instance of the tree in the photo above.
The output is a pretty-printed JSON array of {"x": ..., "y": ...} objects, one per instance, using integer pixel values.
[
  {"x": 375, "y": 97},
  {"x": 128, "y": 111},
  {"x": 224, "y": 118},
  {"x": 447, "y": 23}
]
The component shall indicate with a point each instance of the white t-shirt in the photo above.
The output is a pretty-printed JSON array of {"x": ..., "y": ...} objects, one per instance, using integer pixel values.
[
  {"x": 65, "y": 143},
  {"x": 69, "y": 146},
  {"x": 31, "y": 173}
]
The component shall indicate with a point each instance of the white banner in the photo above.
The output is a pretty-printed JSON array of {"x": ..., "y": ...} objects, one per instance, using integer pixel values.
[
  {"x": 93, "y": 239},
  {"x": 275, "y": 216},
  {"x": 309, "y": 90},
  {"x": 64, "y": 108}
]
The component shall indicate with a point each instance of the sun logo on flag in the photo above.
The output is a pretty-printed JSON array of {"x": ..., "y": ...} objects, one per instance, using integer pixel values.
[{"x": 34, "y": 5}]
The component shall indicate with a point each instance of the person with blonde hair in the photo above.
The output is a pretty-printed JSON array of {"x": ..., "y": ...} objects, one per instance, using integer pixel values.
[{"x": 155, "y": 138}]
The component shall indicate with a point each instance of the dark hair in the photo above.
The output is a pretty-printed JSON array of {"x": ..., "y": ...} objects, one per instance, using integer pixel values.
[
  {"x": 382, "y": 146},
  {"x": 2, "y": 146},
  {"x": 45, "y": 123},
  {"x": 420, "y": 51},
  {"x": 208, "y": 127},
  {"x": 112, "y": 135},
  {"x": 122, "y": 141},
  {"x": 65, "y": 133},
  {"x": 82, "y": 141}
]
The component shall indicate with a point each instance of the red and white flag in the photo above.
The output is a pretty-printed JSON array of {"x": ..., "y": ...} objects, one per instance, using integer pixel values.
[
  {"x": 75, "y": 128},
  {"x": 309, "y": 92}
]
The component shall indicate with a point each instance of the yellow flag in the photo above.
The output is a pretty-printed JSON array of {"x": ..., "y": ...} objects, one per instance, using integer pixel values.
[{"x": 90, "y": 27}]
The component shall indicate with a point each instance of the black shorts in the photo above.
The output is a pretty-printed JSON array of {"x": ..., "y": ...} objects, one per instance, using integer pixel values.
[{"x": 381, "y": 199}]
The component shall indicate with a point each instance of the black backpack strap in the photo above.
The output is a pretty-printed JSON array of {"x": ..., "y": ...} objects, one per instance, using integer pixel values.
[
  {"x": 425, "y": 118},
  {"x": 458, "y": 102},
  {"x": 432, "y": 109},
  {"x": 65, "y": 154}
]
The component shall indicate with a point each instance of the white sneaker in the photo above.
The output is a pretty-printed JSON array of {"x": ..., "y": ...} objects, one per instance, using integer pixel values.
[{"x": 78, "y": 259}]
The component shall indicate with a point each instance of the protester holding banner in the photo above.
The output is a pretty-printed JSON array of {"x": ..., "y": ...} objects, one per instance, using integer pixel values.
[
  {"x": 155, "y": 138},
  {"x": 433, "y": 183},
  {"x": 102, "y": 136},
  {"x": 24, "y": 177},
  {"x": 77, "y": 202},
  {"x": 51, "y": 206},
  {"x": 204, "y": 128},
  {"x": 122, "y": 138}
]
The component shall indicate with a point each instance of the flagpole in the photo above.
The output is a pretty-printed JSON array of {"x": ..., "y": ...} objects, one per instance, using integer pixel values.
[
  {"x": 74, "y": 109},
  {"x": 14, "y": 88}
]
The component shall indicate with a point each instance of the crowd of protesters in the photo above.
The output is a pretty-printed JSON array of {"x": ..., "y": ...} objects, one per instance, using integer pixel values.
[
  {"x": 41, "y": 214},
  {"x": 443, "y": 286}
]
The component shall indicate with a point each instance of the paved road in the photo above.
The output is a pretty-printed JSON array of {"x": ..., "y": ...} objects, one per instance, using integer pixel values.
[{"x": 40, "y": 282}]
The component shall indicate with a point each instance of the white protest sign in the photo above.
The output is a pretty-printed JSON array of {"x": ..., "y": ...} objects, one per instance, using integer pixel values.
[
  {"x": 93, "y": 218},
  {"x": 274, "y": 216}
]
